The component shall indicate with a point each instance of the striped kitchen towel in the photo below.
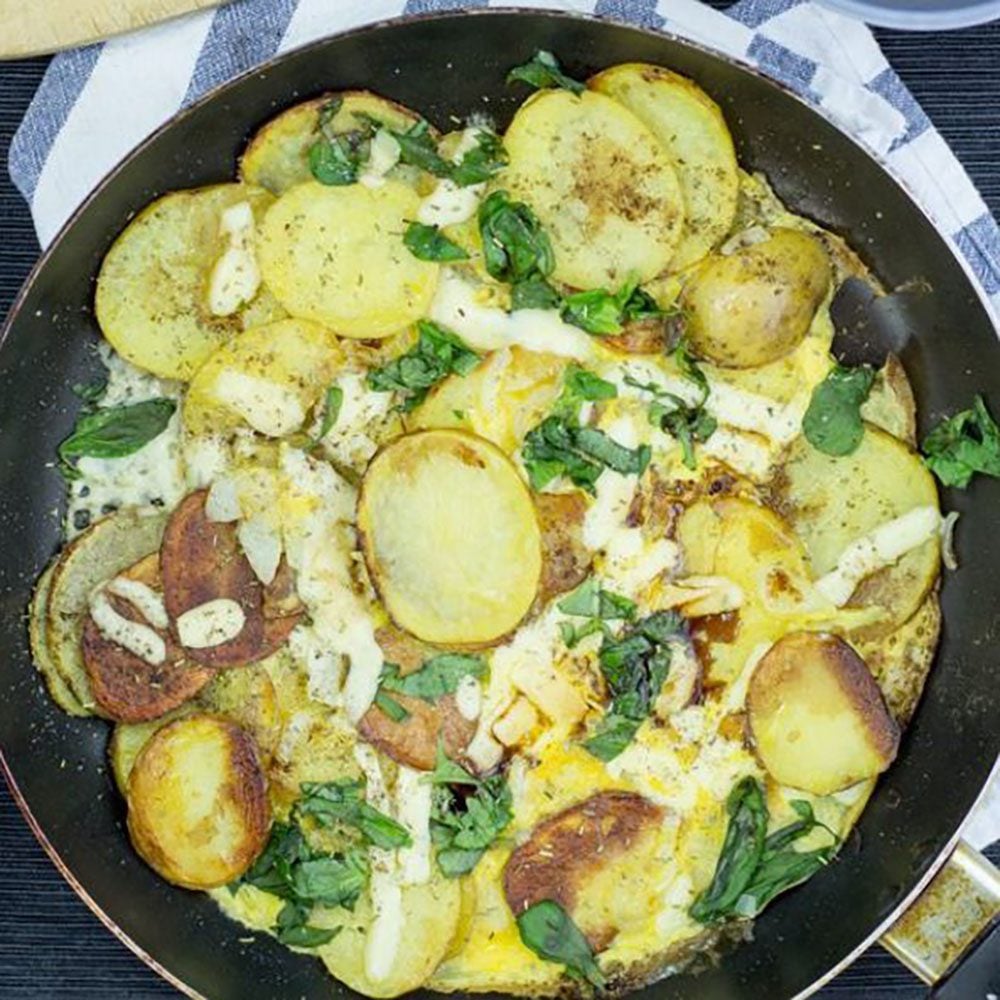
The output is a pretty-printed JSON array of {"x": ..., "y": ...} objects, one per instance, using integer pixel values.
[{"x": 96, "y": 103}]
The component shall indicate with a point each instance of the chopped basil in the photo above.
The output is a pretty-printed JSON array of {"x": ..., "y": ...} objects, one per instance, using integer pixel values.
[
  {"x": 437, "y": 353},
  {"x": 438, "y": 676},
  {"x": 463, "y": 827},
  {"x": 753, "y": 867},
  {"x": 418, "y": 148},
  {"x": 832, "y": 423},
  {"x": 332, "y": 802},
  {"x": 603, "y": 313},
  {"x": 486, "y": 159},
  {"x": 582, "y": 386},
  {"x": 447, "y": 772},
  {"x": 635, "y": 665},
  {"x": 429, "y": 243},
  {"x": 91, "y": 392},
  {"x": 546, "y": 928},
  {"x": 336, "y": 158},
  {"x": 515, "y": 247},
  {"x": 590, "y": 600},
  {"x": 962, "y": 445},
  {"x": 534, "y": 293},
  {"x": 115, "y": 431},
  {"x": 331, "y": 880},
  {"x": 390, "y": 707},
  {"x": 333, "y": 400},
  {"x": 293, "y": 929},
  {"x": 543, "y": 70}
]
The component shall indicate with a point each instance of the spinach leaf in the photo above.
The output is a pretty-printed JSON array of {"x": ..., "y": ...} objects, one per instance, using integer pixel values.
[
  {"x": 962, "y": 445},
  {"x": 437, "y": 353},
  {"x": 543, "y": 70},
  {"x": 515, "y": 247},
  {"x": 333, "y": 400},
  {"x": 753, "y": 868},
  {"x": 115, "y": 431},
  {"x": 292, "y": 928},
  {"x": 832, "y": 423},
  {"x": 438, "y": 676},
  {"x": 331, "y": 802},
  {"x": 487, "y": 158},
  {"x": 429, "y": 243},
  {"x": 546, "y": 928},
  {"x": 534, "y": 293},
  {"x": 463, "y": 828},
  {"x": 390, "y": 707}
]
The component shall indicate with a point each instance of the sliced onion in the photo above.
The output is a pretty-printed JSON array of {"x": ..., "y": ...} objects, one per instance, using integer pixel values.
[{"x": 262, "y": 546}]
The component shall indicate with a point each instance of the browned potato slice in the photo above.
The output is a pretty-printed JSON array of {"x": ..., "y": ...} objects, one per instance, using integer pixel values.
[
  {"x": 201, "y": 561},
  {"x": 414, "y": 740},
  {"x": 128, "y": 739},
  {"x": 571, "y": 853},
  {"x": 817, "y": 717},
  {"x": 126, "y": 687},
  {"x": 754, "y": 305},
  {"x": 565, "y": 559},
  {"x": 198, "y": 810},
  {"x": 450, "y": 536}
]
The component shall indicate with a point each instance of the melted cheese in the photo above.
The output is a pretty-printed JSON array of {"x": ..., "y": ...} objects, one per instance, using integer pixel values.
[
  {"x": 268, "y": 407},
  {"x": 413, "y": 809},
  {"x": 236, "y": 276},
  {"x": 140, "y": 640},
  {"x": 261, "y": 544},
  {"x": 354, "y": 437},
  {"x": 210, "y": 624},
  {"x": 323, "y": 666},
  {"x": 383, "y": 155},
  {"x": 448, "y": 204},
  {"x": 469, "y": 697}
]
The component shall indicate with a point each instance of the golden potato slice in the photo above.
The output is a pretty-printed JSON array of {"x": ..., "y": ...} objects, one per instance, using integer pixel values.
[
  {"x": 335, "y": 255},
  {"x": 833, "y": 501},
  {"x": 198, "y": 810},
  {"x": 450, "y": 536},
  {"x": 269, "y": 378},
  {"x": 430, "y": 920},
  {"x": 690, "y": 126},
  {"x": 816, "y": 715},
  {"x": 755, "y": 305},
  {"x": 276, "y": 157},
  {"x": 107, "y": 547},
  {"x": 128, "y": 739},
  {"x": 603, "y": 188},
  {"x": 152, "y": 291}
]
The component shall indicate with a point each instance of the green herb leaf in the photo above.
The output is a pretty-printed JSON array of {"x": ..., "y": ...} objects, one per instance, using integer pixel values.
[
  {"x": 463, "y": 828},
  {"x": 336, "y": 158},
  {"x": 595, "y": 311},
  {"x": 91, "y": 392},
  {"x": 832, "y": 423},
  {"x": 573, "y": 635},
  {"x": 543, "y": 70},
  {"x": 515, "y": 247},
  {"x": 437, "y": 353},
  {"x": 486, "y": 159},
  {"x": 429, "y": 243},
  {"x": 962, "y": 445},
  {"x": 272, "y": 870},
  {"x": 534, "y": 293},
  {"x": 590, "y": 600},
  {"x": 331, "y": 880},
  {"x": 116, "y": 431},
  {"x": 333, "y": 400},
  {"x": 612, "y": 735},
  {"x": 292, "y": 928},
  {"x": 581, "y": 386},
  {"x": 332, "y": 802},
  {"x": 548, "y": 931},
  {"x": 448, "y": 772},
  {"x": 390, "y": 707},
  {"x": 418, "y": 148},
  {"x": 438, "y": 676}
]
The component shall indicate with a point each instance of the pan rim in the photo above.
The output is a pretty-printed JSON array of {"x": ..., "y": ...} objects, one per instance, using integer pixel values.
[{"x": 375, "y": 27}]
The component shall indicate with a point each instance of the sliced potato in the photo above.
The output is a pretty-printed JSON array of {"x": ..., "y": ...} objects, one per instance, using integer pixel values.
[
  {"x": 832, "y": 501},
  {"x": 128, "y": 739},
  {"x": 198, "y": 810},
  {"x": 107, "y": 547},
  {"x": 151, "y": 300},
  {"x": 816, "y": 715},
  {"x": 603, "y": 188},
  {"x": 430, "y": 920},
  {"x": 277, "y": 156},
  {"x": 755, "y": 305},
  {"x": 565, "y": 559},
  {"x": 890, "y": 404},
  {"x": 450, "y": 536},
  {"x": 335, "y": 255},
  {"x": 579, "y": 857},
  {"x": 690, "y": 126},
  {"x": 269, "y": 378}
]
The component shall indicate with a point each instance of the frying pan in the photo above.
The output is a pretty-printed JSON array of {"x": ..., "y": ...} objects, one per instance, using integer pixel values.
[{"x": 455, "y": 65}]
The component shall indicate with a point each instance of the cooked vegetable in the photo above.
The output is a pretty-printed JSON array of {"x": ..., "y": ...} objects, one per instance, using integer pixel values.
[
  {"x": 438, "y": 676},
  {"x": 429, "y": 243},
  {"x": 115, "y": 431},
  {"x": 315, "y": 238},
  {"x": 450, "y": 537},
  {"x": 548, "y": 931},
  {"x": 755, "y": 305},
  {"x": 333, "y": 802},
  {"x": 962, "y": 445},
  {"x": 601, "y": 186},
  {"x": 463, "y": 828},
  {"x": 151, "y": 299},
  {"x": 333, "y": 400},
  {"x": 516, "y": 248},
  {"x": 597, "y": 605},
  {"x": 543, "y": 70},
  {"x": 198, "y": 810},
  {"x": 833, "y": 424},
  {"x": 816, "y": 715},
  {"x": 602, "y": 313},
  {"x": 565, "y": 559},
  {"x": 690, "y": 127},
  {"x": 754, "y": 867}
]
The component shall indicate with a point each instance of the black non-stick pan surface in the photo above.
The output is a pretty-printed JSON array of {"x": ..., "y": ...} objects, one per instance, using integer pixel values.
[{"x": 455, "y": 65}]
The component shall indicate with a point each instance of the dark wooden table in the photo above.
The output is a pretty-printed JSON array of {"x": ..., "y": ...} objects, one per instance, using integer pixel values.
[{"x": 51, "y": 946}]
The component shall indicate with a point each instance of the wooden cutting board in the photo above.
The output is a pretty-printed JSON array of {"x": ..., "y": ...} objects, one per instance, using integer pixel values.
[{"x": 31, "y": 27}]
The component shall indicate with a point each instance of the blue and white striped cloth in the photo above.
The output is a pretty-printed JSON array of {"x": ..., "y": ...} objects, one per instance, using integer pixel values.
[{"x": 98, "y": 102}]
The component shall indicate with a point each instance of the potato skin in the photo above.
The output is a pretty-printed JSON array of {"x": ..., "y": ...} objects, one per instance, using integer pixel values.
[
  {"x": 816, "y": 715},
  {"x": 565, "y": 559},
  {"x": 756, "y": 304},
  {"x": 205, "y": 840},
  {"x": 567, "y": 849}
]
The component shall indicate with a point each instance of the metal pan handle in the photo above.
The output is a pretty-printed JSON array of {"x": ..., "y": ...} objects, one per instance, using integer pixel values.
[{"x": 957, "y": 913}]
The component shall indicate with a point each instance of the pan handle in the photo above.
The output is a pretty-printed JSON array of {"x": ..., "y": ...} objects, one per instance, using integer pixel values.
[{"x": 954, "y": 914}]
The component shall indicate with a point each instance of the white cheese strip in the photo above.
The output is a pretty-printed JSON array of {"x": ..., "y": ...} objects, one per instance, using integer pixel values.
[
  {"x": 881, "y": 547},
  {"x": 211, "y": 624},
  {"x": 140, "y": 640},
  {"x": 489, "y": 328},
  {"x": 469, "y": 697},
  {"x": 269, "y": 408},
  {"x": 413, "y": 809},
  {"x": 143, "y": 598},
  {"x": 236, "y": 275},
  {"x": 383, "y": 155}
]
